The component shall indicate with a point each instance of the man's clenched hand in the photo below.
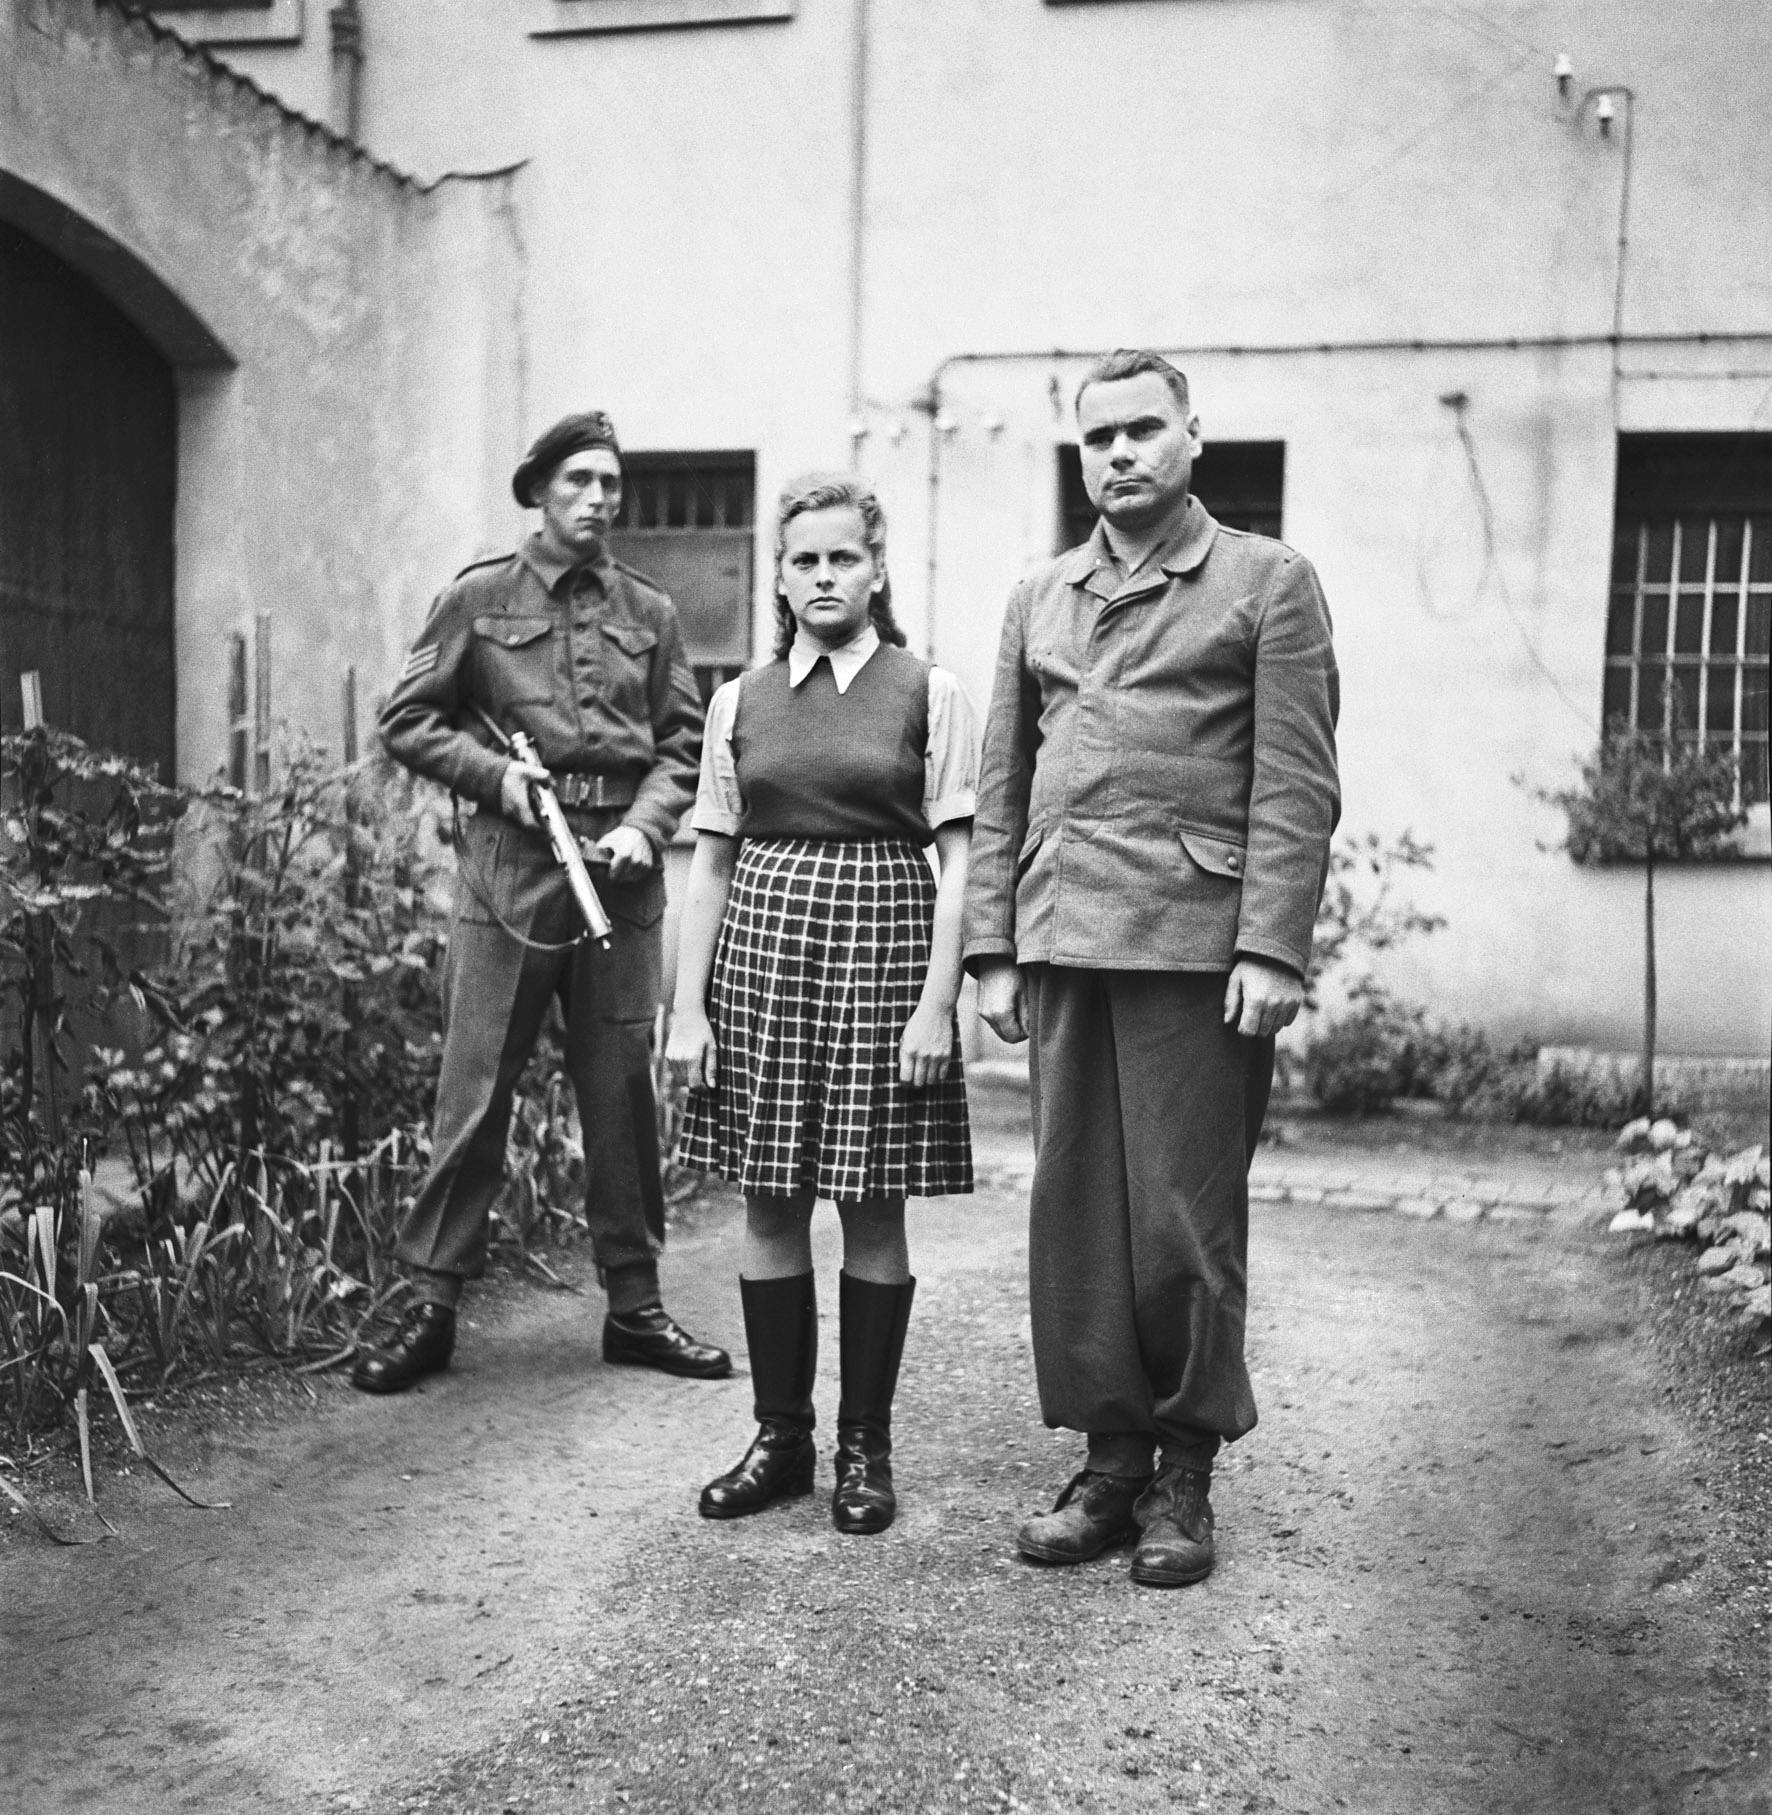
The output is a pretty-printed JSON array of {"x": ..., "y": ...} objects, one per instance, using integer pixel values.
[
  {"x": 1002, "y": 999},
  {"x": 1262, "y": 998}
]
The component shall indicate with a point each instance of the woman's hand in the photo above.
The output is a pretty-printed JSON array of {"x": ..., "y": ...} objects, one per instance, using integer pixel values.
[
  {"x": 926, "y": 1046},
  {"x": 692, "y": 1051}
]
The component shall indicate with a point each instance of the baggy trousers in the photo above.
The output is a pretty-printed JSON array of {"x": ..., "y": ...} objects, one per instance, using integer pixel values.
[
  {"x": 496, "y": 992},
  {"x": 1146, "y": 1110}
]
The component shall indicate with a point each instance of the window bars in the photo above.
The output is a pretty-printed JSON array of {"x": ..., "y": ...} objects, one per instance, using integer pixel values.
[{"x": 1688, "y": 633}]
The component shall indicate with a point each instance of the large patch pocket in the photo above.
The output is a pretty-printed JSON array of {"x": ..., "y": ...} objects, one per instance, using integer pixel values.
[
  {"x": 639, "y": 904},
  {"x": 631, "y": 974},
  {"x": 516, "y": 657}
]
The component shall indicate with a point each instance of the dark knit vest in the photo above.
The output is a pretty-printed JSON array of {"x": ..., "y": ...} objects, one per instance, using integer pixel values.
[{"x": 816, "y": 763}]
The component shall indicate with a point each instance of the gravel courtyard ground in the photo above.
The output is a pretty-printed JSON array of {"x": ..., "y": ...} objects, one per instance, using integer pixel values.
[{"x": 1499, "y": 1544}]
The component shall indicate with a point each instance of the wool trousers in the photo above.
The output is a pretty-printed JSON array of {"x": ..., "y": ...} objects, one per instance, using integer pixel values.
[
  {"x": 1146, "y": 1111},
  {"x": 496, "y": 993}
]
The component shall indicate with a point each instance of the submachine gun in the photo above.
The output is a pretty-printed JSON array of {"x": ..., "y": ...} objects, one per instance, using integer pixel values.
[{"x": 545, "y": 804}]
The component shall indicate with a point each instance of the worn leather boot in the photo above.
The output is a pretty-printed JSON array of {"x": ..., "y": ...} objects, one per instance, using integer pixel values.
[
  {"x": 651, "y": 1338},
  {"x": 781, "y": 1328},
  {"x": 1093, "y": 1512},
  {"x": 1175, "y": 1545},
  {"x": 874, "y": 1320},
  {"x": 424, "y": 1345}
]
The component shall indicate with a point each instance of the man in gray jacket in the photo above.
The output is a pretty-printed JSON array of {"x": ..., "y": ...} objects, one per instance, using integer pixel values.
[{"x": 1158, "y": 793}]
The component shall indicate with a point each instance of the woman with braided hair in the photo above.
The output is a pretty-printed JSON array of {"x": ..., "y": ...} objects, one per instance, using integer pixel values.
[{"x": 818, "y": 966}]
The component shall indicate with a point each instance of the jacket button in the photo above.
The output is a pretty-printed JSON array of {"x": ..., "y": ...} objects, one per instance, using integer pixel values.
[{"x": 1233, "y": 863}]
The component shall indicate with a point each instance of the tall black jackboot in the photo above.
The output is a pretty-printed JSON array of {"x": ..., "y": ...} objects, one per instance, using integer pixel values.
[
  {"x": 781, "y": 1327},
  {"x": 874, "y": 1319}
]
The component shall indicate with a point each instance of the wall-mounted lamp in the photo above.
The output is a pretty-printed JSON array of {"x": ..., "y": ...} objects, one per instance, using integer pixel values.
[
  {"x": 858, "y": 428},
  {"x": 1605, "y": 113},
  {"x": 896, "y": 430},
  {"x": 946, "y": 423},
  {"x": 992, "y": 424},
  {"x": 1564, "y": 71}
]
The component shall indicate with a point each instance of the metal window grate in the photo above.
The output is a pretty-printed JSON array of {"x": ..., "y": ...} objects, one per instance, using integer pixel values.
[
  {"x": 688, "y": 521},
  {"x": 662, "y": 493},
  {"x": 1690, "y": 618}
]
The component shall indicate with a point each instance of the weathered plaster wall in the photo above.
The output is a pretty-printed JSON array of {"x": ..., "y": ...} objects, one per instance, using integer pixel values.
[
  {"x": 341, "y": 336},
  {"x": 1255, "y": 171}
]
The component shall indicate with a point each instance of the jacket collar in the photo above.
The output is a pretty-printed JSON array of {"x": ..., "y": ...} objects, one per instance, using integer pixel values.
[
  {"x": 550, "y": 570},
  {"x": 1182, "y": 552}
]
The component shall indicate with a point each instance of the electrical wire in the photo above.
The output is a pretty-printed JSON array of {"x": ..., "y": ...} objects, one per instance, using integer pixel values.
[{"x": 1492, "y": 569}]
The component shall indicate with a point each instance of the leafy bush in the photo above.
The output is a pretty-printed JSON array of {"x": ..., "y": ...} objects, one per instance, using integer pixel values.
[
  {"x": 1556, "y": 1096},
  {"x": 84, "y": 850},
  {"x": 267, "y": 1070},
  {"x": 302, "y": 1001},
  {"x": 1652, "y": 797},
  {"x": 1382, "y": 1049},
  {"x": 1360, "y": 912},
  {"x": 1371, "y": 1054},
  {"x": 1678, "y": 1190}
]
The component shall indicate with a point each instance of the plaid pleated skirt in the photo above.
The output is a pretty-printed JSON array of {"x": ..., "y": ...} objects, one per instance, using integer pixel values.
[{"x": 819, "y": 966}]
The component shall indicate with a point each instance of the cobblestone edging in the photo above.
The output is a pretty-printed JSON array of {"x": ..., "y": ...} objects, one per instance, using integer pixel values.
[
  {"x": 1455, "y": 1197},
  {"x": 1459, "y": 1198}
]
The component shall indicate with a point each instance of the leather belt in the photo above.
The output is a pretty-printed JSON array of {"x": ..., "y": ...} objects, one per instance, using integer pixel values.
[{"x": 589, "y": 790}]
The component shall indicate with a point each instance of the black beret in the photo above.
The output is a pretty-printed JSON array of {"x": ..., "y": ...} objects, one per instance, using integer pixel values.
[{"x": 590, "y": 428}]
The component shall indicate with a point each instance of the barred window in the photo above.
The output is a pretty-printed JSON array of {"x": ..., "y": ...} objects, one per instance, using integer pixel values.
[
  {"x": 688, "y": 521},
  {"x": 1690, "y": 621}
]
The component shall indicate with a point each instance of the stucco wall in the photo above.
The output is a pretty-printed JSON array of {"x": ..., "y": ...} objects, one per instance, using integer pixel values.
[
  {"x": 1462, "y": 676},
  {"x": 340, "y": 336},
  {"x": 1251, "y": 172}
]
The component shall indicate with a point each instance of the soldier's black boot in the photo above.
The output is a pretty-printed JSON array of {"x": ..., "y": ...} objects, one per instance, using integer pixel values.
[
  {"x": 781, "y": 1327},
  {"x": 874, "y": 1320},
  {"x": 424, "y": 1346},
  {"x": 651, "y": 1338}
]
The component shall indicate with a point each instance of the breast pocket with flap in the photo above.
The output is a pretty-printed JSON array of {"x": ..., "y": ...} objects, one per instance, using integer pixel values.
[
  {"x": 515, "y": 655},
  {"x": 627, "y": 664}
]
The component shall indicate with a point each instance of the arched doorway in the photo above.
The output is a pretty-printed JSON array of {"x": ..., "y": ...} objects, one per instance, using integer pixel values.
[{"x": 88, "y": 464}]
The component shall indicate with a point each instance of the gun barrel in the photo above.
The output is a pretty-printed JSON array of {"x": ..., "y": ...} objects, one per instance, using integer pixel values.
[
  {"x": 578, "y": 878},
  {"x": 565, "y": 847}
]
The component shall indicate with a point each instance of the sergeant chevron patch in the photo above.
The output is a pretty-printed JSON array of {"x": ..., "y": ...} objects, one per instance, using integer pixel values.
[{"x": 421, "y": 661}]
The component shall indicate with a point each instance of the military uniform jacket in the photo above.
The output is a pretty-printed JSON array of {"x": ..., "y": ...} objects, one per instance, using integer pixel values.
[
  {"x": 587, "y": 659},
  {"x": 1159, "y": 779}
]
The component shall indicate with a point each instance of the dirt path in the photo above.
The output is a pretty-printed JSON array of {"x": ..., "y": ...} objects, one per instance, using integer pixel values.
[{"x": 1469, "y": 1562}]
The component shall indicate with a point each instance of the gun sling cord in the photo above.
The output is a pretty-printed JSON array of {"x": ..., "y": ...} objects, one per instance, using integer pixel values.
[{"x": 465, "y": 869}]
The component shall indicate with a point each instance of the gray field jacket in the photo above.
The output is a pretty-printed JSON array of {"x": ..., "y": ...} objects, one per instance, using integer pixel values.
[{"x": 1159, "y": 782}]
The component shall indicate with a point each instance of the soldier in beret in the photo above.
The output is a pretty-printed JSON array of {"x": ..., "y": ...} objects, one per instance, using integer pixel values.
[{"x": 585, "y": 655}]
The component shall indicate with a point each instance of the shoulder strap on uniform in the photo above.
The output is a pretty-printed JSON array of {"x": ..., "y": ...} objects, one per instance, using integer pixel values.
[{"x": 485, "y": 561}]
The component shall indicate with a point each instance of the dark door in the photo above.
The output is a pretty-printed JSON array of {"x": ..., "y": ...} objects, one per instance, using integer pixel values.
[{"x": 88, "y": 440}]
